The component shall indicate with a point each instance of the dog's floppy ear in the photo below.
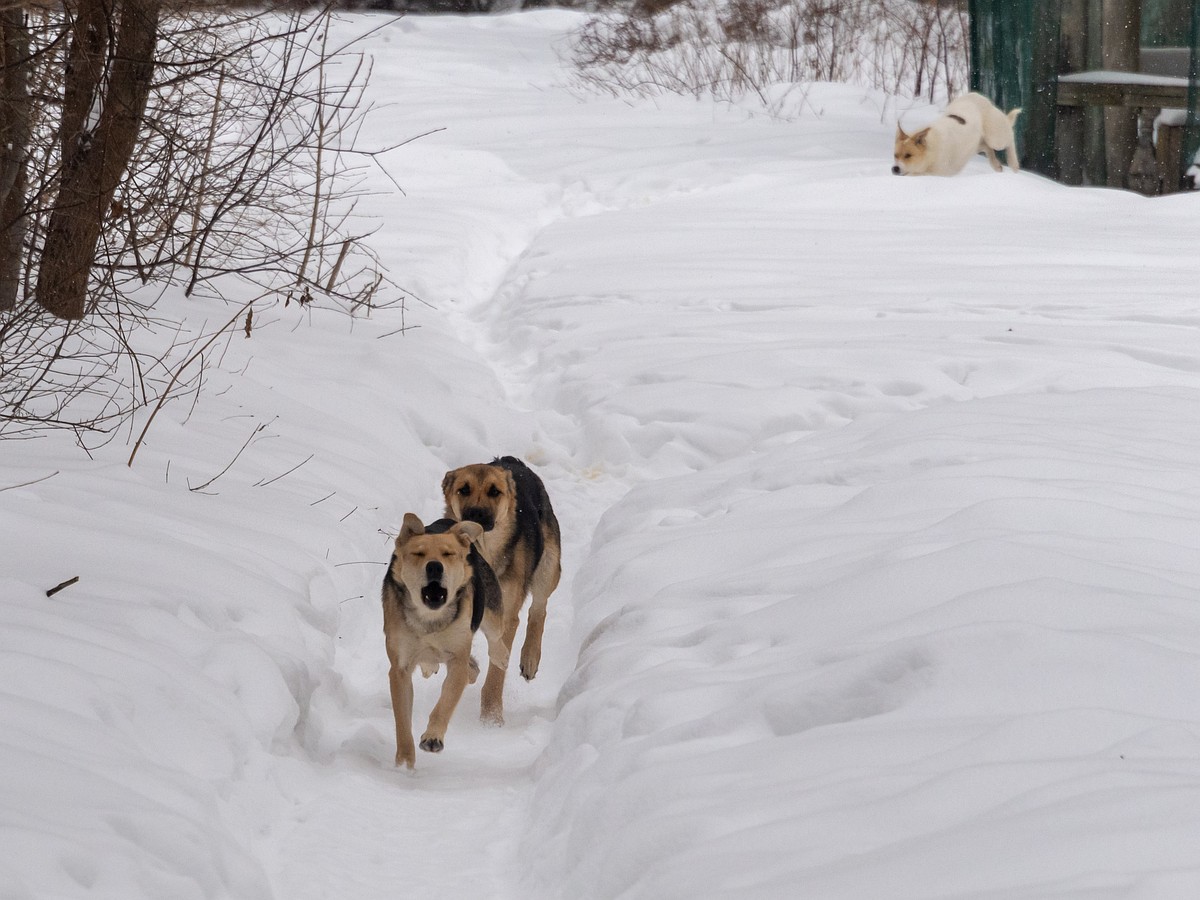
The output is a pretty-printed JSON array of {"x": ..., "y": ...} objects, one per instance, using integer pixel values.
[
  {"x": 447, "y": 482},
  {"x": 919, "y": 137},
  {"x": 412, "y": 526},
  {"x": 471, "y": 531}
]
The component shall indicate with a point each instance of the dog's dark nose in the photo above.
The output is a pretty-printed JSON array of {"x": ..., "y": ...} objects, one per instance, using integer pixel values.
[
  {"x": 895, "y": 170},
  {"x": 433, "y": 571},
  {"x": 480, "y": 516}
]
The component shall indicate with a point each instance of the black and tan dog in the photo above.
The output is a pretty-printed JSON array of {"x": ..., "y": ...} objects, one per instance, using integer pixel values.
[
  {"x": 521, "y": 541},
  {"x": 437, "y": 592}
]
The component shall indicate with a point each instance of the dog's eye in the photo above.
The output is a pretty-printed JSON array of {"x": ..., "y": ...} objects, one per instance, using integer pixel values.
[
  {"x": 493, "y": 491},
  {"x": 418, "y": 554},
  {"x": 908, "y": 156},
  {"x": 464, "y": 491}
]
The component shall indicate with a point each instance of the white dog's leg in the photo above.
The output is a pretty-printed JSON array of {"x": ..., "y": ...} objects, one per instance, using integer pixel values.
[
  {"x": 992, "y": 159},
  {"x": 1010, "y": 153}
]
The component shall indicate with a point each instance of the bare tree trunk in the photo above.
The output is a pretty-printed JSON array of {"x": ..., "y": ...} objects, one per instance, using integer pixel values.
[
  {"x": 108, "y": 81},
  {"x": 15, "y": 126}
]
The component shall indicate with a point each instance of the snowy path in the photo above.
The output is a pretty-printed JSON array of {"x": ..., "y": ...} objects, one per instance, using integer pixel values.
[{"x": 452, "y": 827}]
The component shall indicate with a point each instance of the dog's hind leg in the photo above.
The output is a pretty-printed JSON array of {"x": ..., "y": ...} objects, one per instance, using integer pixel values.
[
  {"x": 545, "y": 580},
  {"x": 458, "y": 673},
  {"x": 402, "y": 702},
  {"x": 1010, "y": 153}
]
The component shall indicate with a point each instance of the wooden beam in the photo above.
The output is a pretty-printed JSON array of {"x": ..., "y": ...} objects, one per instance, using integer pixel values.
[{"x": 1104, "y": 90}]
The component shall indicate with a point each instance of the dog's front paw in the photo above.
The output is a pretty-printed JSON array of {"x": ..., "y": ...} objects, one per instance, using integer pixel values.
[
  {"x": 492, "y": 715},
  {"x": 405, "y": 759},
  {"x": 432, "y": 744},
  {"x": 530, "y": 660}
]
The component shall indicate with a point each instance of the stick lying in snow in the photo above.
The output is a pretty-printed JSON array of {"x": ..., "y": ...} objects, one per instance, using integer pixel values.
[{"x": 58, "y": 587}]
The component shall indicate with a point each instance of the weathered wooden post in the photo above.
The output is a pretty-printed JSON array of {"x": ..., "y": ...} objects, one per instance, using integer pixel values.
[
  {"x": 1143, "y": 168},
  {"x": 1072, "y": 57},
  {"x": 1122, "y": 52}
]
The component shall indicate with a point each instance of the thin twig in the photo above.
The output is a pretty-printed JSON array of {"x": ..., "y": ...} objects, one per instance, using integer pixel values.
[
  {"x": 175, "y": 377},
  {"x": 205, "y": 166},
  {"x": 322, "y": 125},
  {"x": 13, "y": 487},
  {"x": 229, "y": 465},
  {"x": 374, "y": 155},
  {"x": 403, "y": 329},
  {"x": 288, "y": 472}
]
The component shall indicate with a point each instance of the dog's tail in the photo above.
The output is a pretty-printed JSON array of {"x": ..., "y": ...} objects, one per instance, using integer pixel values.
[{"x": 1012, "y": 116}]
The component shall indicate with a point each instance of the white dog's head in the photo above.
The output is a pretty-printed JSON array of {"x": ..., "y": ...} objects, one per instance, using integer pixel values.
[{"x": 910, "y": 155}]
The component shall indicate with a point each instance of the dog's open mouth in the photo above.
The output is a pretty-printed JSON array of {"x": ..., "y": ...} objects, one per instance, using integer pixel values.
[{"x": 434, "y": 595}]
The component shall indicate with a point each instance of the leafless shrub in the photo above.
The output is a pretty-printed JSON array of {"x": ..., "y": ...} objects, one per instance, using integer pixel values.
[
  {"x": 242, "y": 177},
  {"x": 926, "y": 53},
  {"x": 733, "y": 47}
]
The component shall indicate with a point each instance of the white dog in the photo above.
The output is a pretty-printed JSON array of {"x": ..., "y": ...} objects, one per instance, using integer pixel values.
[{"x": 970, "y": 124}]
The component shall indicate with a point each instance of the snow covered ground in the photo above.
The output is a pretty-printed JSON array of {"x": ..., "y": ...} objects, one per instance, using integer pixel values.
[{"x": 879, "y": 500}]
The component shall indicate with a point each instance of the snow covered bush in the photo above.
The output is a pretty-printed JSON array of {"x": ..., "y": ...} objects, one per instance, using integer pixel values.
[{"x": 729, "y": 48}]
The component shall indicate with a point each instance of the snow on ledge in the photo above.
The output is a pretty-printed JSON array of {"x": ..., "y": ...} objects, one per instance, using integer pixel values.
[{"x": 1105, "y": 76}]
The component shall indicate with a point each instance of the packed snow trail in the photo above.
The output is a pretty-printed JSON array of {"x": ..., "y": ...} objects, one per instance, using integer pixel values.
[{"x": 453, "y": 826}]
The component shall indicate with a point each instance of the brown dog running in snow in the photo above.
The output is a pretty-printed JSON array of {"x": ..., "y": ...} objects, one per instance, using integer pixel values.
[
  {"x": 970, "y": 124},
  {"x": 521, "y": 541},
  {"x": 437, "y": 592}
]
